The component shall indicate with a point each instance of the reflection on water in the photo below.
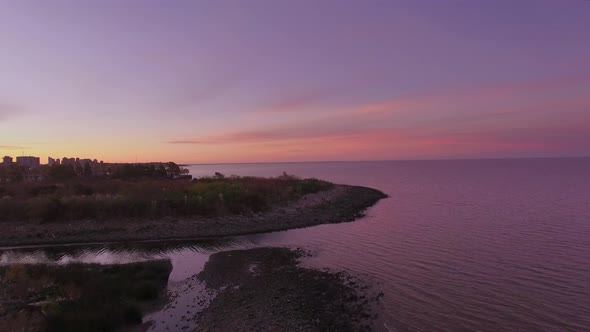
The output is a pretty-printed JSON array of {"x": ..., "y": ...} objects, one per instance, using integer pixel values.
[
  {"x": 129, "y": 252},
  {"x": 187, "y": 256},
  {"x": 111, "y": 253}
]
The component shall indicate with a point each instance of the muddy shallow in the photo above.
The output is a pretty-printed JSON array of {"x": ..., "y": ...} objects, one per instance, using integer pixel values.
[{"x": 265, "y": 289}]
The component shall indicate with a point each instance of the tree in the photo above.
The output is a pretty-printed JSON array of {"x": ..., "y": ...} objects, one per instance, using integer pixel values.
[
  {"x": 162, "y": 171},
  {"x": 87, "y": 170},
  {"x": 12, "y": 173},
  {"x": 78, "y": 168},
  {"x": 62, "y": 172},
  {"x": 173, "y": 168}
]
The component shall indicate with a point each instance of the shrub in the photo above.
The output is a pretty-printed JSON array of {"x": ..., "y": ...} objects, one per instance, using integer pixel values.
[
  {"x": 62, "y": 172},
  {"x": 82, "y": 189},
  {"x": 42, "y": 190},
  {"x": 79, "y": 207},
  {"x": 45, "y": 209},
  {"x": 12, "y": 209}
]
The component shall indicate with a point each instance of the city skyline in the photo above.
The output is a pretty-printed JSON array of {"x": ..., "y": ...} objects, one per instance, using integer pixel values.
[{"x": 268, "y": 81}]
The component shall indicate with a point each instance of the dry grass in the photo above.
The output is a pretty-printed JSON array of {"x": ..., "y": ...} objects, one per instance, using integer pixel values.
[{"x": 105, "y": 199}]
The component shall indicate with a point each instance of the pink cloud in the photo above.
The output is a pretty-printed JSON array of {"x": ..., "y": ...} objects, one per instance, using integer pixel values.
[
  {"x": 516, "y": 119},
  {"x": 535, "y": 92}
]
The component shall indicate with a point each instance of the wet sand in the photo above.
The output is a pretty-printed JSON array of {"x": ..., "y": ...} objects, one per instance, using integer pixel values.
[{"x": 342, "y": 203}]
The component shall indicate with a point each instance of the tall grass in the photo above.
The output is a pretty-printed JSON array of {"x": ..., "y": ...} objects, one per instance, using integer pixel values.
[{"x": 111, "y": 199}]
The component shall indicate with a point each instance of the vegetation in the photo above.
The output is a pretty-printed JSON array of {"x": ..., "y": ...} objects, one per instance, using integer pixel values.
[
  {"x": 71, "y": 170},
  {"x": 103, "y": 199},
  {"x": 79, "y": 297},
  {"x": 62, "y": 172},
  {"x": 141, "y": 171},
  {"x": 12, "y": 172}
]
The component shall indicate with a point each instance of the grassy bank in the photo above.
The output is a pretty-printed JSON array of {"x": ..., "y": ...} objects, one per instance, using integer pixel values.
[
  {"x": 340, "y": 203},
  {"x": 78, "y": 297},
  {"x": 105, "y": 199}
]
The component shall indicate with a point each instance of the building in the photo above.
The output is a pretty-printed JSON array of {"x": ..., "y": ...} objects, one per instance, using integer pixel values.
[
  {"x": 28, "y": 161},
  {"x": 7, "y": 160},
  {"x": 51, "y": 161},
  {"x": 68, "y": 161}
]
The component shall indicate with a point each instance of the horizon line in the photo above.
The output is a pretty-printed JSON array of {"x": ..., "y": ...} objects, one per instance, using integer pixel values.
[{"x": 380, "y": 160}]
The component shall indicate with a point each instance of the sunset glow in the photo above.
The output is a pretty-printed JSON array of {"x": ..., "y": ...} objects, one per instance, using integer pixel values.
[{"x": 261, "y": 81}]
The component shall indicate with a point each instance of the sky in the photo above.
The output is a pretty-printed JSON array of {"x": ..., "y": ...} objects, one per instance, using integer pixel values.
[{"x": 275, "y": 81}]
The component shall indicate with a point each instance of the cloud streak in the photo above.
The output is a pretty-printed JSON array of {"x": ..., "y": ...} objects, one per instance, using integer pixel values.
[
  {"x": 297, "y": 102},
  {"x": 493, "y": 121},
  {"x": 8, "y": 111},
  {"x": 472, "y": 97},
  {"x": 11, "y": 147}
]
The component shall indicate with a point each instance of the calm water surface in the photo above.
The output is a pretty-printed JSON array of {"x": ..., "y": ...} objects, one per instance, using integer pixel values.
[{"x": 485, "y": 245}]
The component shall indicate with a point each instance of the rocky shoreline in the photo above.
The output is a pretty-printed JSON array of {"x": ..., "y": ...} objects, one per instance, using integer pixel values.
[
  {"x": 342, "y": 203},
  {"x": 265, "y": 289}
]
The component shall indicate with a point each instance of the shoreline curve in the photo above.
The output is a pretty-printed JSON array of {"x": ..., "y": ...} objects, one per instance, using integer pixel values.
[{"x": 342, "y": 203}]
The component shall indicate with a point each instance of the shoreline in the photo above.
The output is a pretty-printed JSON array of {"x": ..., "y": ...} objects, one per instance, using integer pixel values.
[{"x": 342, "y": 203}]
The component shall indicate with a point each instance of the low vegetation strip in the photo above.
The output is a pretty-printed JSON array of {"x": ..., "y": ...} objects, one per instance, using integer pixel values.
[
  {"x": 108, "y": 199},
  {"x": 79, "y": 297},
  {"x": 333, "y": 204}
]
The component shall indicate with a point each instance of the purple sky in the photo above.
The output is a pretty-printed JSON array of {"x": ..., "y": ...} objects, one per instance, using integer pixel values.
[{"x": 231, "y": 81}]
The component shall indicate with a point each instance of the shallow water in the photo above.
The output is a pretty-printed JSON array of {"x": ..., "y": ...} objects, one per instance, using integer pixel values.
[{"x": 481, "y": 245}]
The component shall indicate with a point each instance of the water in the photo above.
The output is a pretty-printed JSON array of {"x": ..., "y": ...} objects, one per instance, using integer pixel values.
[{"x": 482, "y": 245}]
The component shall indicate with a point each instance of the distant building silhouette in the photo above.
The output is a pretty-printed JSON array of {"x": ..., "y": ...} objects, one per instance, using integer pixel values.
[
  {"x": 68, "y": 161},
  {"x": 7, "y": 160},
  {"x": 51, "y": 161},
  {"x": 28, "y": 161}
]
